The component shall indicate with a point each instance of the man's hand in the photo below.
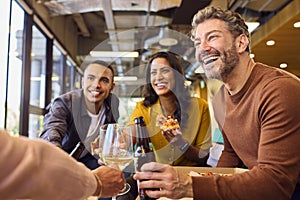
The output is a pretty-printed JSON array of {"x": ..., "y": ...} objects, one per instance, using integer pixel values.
[
  {"x": 113, "y": 180},
  {"x": 95, "y": 146},
  {"x": 169, "y": 182}
]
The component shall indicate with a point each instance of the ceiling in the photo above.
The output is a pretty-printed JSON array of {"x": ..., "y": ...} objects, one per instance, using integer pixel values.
[{"x": 140, "y": 25}]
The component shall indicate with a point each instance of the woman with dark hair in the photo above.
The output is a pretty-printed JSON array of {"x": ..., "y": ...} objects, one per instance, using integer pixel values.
[{"x": 165, "y": 95}]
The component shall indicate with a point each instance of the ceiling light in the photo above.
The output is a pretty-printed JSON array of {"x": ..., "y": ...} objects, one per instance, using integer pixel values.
[
  {"x": 115, "y": 54},
  {"x": 252, "y": 26},
  {"x": 168, "y": 42},
  {"x": 270, "y": 42},
  {"x": 297, "y": 25},
  {"x": 125, "y": 78},
  {"x": 283, "y": 65},
  {"x": 38, "y": 78},
  {"x": 168, "y": 37}
]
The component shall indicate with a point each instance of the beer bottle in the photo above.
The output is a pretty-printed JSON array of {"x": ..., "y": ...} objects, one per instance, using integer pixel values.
[{"x": 144, "y": 150}]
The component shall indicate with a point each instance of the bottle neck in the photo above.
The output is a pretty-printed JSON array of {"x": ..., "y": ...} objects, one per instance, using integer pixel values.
[{"x": 143, "y": 136}]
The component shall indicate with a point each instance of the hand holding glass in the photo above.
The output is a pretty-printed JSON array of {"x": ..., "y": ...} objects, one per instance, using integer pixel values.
[{"x": 116, "y": 148}]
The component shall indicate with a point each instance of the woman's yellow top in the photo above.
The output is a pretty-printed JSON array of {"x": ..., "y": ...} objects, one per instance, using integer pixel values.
[{"x": 196, "y": 132}]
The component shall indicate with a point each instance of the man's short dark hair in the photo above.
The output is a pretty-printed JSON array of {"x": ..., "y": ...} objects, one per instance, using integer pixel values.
[{"x": 103, "y": 63}]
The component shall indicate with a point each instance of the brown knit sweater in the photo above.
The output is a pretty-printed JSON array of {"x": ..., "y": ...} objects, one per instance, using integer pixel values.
[{"x": 261, "y": 130}]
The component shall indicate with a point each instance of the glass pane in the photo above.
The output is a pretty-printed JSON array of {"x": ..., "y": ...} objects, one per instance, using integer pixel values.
[
  {"x": 4, "y": 16},
  {"x": 57, "y": 72},
  {"x": 35, "y": 125},
  {"x": 37, "y": 80},
  {"x": 15, "y": 69},
  {"x": 69, "y": 76},
  {"x": 126, "y": 107},
  {"x": 78, "y": 78}
]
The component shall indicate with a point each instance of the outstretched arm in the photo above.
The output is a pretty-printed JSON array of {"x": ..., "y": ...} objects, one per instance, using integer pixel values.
[{"x": 35, "y": 169}]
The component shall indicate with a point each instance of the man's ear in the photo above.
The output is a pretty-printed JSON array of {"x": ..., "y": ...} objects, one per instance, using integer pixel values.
[
  {"x": 82, "y": 82},
  {"x": 242, "y": 43},
  {"x": 112, "y": 87}
]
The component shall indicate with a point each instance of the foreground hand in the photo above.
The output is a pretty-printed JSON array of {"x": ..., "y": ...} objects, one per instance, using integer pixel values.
[
  {"x": 112, "y": 180},
  {"x": 171, "y": 183}
]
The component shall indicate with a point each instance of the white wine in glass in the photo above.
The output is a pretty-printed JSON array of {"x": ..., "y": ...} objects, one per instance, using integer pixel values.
[{"x": 116, "y": 147}]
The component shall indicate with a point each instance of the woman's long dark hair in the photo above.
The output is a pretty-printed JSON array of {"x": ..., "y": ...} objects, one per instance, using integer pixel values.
[{"x": 180, "y": 92}]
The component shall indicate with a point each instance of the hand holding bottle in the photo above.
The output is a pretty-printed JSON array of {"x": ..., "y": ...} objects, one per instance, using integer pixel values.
[
  {"x": 144, "y": 151},
  {"x": 171, "y": 182}
]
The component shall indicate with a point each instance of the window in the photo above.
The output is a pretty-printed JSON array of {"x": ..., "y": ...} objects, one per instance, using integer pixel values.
[
  {"x": 4, "y": 16},
  {"x": 38, "y": 60},
  {"x": 37, "y": 83},
  {"x": 33, "y": 70},
  {"x": 69, "y": 77},
  {"x": 58, "y": 72},
  {"x": 14, "y": 67},
  {"x": 126, "y": 107}
]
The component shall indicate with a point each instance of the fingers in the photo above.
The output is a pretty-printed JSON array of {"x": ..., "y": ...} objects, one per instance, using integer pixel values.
[
  {"x": 159, "y": 193},
  {"x": 101, "y": 162},
  {"x": 160, "y": 177},
  {"x": 158, "y": 184},
  {"x": 112, "y": 180},
  {"x": 168, "y": 135},
  {"x": 156, "y": 172},
  {"x": 94, "y": 146},
  {"x": 167, "y": 179},
  {"x": 172, "y": 135},
  {"x": 154, "y": 166},
  {"x": 110, "y": 175}
]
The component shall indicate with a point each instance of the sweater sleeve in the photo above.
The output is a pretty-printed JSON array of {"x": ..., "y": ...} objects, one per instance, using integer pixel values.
[
  {"x": 229, "y": 158},
  {"x": 35, "y": 169},
  {"x": 56, "y": 123}
]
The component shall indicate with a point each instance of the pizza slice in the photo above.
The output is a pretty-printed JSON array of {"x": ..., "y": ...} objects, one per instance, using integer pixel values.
[{"x": 168, "y": 123}]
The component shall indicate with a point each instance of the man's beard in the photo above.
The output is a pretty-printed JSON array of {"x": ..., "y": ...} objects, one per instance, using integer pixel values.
[{"x": 229, "y": 59}]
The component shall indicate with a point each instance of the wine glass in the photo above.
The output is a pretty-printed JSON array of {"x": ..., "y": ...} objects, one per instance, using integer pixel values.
[{"x": 116, "y": 148}]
